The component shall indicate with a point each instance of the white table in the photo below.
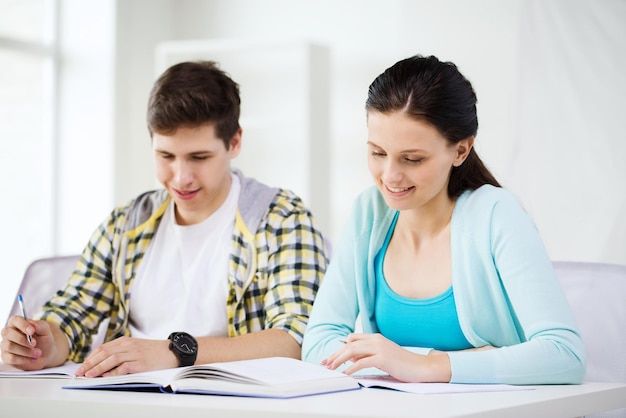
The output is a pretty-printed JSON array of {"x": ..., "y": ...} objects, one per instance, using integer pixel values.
[{"x": 35, "y": 397}]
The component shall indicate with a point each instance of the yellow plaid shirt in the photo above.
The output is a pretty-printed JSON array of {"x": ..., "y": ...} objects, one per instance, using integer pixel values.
[{"x": 275, "y": 269}]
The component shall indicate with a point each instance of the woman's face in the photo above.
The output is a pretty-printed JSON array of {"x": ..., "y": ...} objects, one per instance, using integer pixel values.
[{"x": 409, "y": 160}]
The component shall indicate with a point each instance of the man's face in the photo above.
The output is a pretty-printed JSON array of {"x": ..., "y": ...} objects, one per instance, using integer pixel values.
[{"x": 194, "y": 167}]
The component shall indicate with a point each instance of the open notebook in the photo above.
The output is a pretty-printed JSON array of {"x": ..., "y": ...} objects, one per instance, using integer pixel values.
[
  {"x": 66, "y": 371},
  {"x": 274, "y": 377}
]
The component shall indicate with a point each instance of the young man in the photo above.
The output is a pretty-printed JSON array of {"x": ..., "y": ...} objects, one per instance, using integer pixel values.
[{"x": 214, "y": 267}]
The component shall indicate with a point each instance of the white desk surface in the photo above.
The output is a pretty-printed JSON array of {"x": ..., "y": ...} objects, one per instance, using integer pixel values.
[{"x": 35, "y": 397}]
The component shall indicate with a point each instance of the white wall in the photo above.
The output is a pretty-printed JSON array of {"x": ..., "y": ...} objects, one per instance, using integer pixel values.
[
  {"x": 107, "y": 69},
  {"x": 84, "y": 129},
  {"x": 364, "y": 38},
  {"x": 85, "y": 120},
  {"x": 108, "y": 53},
  {"x": 141, "y": 25},
  {"x": 568, "y": 139},
  {"x": 488, "y": 39}
]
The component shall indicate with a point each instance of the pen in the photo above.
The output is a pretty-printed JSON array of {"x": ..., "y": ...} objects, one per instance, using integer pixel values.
[{"x": 21, "y": 302}]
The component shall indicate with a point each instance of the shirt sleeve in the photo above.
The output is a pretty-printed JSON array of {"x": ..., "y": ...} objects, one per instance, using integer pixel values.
[
  {"x": 88, "y": 298},
  {"x": 297, "y": 261}
]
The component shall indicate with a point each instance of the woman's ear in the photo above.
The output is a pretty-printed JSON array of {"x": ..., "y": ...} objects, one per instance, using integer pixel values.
[{"x": 463, "y": 149}]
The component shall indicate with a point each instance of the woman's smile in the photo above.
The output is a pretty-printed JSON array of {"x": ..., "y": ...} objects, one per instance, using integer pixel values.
[{"x": 398, "y": 191}]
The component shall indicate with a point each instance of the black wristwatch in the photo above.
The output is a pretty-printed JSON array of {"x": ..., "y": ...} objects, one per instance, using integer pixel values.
[{"x": 185, "y": 347}]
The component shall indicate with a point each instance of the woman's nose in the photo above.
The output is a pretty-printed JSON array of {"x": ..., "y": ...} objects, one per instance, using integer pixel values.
[{"x": 392, "y": 173}]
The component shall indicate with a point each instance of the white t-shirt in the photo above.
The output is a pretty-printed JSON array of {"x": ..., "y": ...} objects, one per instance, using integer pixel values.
[{"x": 182, "y": 282}]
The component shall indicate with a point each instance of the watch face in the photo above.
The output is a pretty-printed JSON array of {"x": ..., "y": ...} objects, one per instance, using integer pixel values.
[{"x": 185, "y": 343}]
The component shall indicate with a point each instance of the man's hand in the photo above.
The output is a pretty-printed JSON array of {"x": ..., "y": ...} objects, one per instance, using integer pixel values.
[
  {"x": 48, "y": 348},
  {"x": 126, "y": 355}
]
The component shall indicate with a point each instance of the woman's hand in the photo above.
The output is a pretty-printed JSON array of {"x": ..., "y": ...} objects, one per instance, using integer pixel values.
[{"x": 374, "y": 350}]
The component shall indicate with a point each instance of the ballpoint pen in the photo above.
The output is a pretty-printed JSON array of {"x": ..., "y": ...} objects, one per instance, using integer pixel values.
[{"x": 21, "y": 302}]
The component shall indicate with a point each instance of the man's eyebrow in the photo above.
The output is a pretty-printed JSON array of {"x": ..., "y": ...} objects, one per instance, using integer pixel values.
[
  {"x": 200, "y": 153},
  {"x": 193, "y": 153}
]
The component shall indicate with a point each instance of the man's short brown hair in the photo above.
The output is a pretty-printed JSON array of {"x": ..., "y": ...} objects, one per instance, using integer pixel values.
[{"x": 192, "y": 94}]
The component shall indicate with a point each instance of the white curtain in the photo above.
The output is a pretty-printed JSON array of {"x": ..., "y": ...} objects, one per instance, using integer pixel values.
[{"x": 568, "y": 155}]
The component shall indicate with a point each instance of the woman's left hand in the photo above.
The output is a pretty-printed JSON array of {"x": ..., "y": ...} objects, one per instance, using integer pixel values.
[{"x": 374, "y": 350}]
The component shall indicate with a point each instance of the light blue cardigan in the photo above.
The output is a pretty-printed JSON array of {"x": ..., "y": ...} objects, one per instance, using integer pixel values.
[{"x": 507, "y": 294}]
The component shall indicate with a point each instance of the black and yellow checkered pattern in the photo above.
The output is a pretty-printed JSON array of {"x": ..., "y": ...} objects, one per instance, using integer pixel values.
[{"x": 274, "y": 271}]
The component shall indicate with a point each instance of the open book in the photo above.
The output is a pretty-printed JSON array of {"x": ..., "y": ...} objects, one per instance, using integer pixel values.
[
  {"x": 274, "y": 377},
  {"x": 388, "y": 382},
  {"x": 66, "y": 371}
]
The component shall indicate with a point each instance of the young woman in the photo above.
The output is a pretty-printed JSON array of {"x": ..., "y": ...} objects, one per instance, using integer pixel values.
[{"x": 447, "y": 271}]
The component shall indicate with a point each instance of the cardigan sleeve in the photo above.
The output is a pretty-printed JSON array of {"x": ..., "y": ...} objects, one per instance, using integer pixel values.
[
  {"x": 336, "y": 308},
  {"x": 518, "y": 306}
]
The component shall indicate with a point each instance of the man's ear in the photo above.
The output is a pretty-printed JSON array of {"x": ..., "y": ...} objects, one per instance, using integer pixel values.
[
  {"x": 463, "y": 149},
  {"x": 235, "y": 144}
]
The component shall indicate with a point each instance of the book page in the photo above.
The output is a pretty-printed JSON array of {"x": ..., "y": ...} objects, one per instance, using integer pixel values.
[
  {"x": 155, "y": 378},
  {"x": 275, "y": 377},
  {"x": 68, "y": 370},
  {"x": 266, "y": 371},
  {"x": 283, "y": 390},
  {"x": 388, "y": 382}
]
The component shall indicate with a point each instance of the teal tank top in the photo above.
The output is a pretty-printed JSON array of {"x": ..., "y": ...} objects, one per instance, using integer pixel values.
[{"x": 431, "y": 322}]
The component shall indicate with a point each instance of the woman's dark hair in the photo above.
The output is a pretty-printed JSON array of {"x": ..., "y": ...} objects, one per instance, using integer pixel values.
[
  {"x": 192, "y": 94},
  {"x": 434, "y": 92}
]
